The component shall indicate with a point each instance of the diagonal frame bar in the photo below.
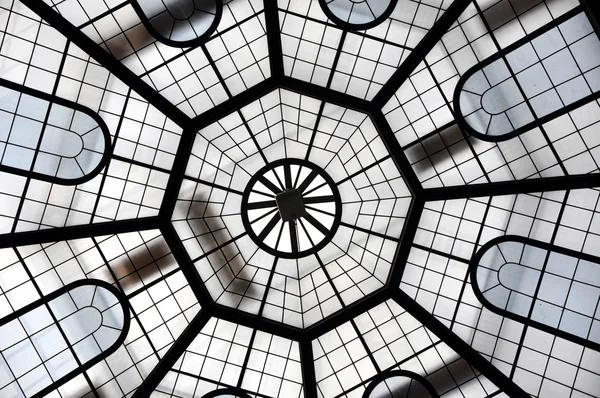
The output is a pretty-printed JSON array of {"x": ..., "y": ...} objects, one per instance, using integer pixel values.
[
  {"x": 420, "y": 52},
  {"x": 273, "y": 38},
  {"x": 308, "y": 369},
  {"x": 277, "y": 79},
  {"x": 172, "y": 355},
  {"x": 78, "y": 232},
  {"x": 549, "y": 184},
  {"x": 459, "y": 345},
  {"x": 105, "y": 59}
]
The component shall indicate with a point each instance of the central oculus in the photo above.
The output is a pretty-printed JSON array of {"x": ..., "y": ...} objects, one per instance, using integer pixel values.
[
  {"x": 291, "y": 208},
  {"x": 290, "y": 205}
]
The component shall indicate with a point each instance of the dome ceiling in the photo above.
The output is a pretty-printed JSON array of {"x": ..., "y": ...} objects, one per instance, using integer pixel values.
[{"x": 288, "y": 198}]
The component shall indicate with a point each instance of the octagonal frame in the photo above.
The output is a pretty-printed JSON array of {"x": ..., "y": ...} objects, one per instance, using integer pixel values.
[{"x": 278, "y": 80}]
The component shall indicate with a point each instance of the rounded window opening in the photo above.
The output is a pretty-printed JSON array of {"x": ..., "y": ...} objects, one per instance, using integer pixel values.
[
  {"x": 50, "y": 138},
  {"x": 57, "y": 337},
  {"x": 400, "y": 384},
  {"x": 227, "y": 393},
  {"x": 291, "y": 208},
  {"x": 540, "y": 285},
  {"x": 358, "y": 14},
  {"x": 180, "y": 23}
]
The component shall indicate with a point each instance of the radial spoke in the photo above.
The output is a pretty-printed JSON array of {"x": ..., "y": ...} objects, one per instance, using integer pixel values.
[
  {"x": 262, "y": 205},
  {"x": 269, "y": 227},
  {"x": 287, "y": 171},
  {"x": 263, "y": 216},
  {"x": 319, "y": 199},
  {"x": 262, "y": 193},
  {"x": 320, "y": 211},
  {"x": 367, "y": 231},
  {"x": 315, "y": 223},
  {"x": 313, "y": 174},
  {"x": 297, "y": 177},
  {"x": 293, "y": 237},
  {"x": 274, "y": 188},
  {"x": 315, "y": 188},
  {"x": 306, "y": 232},
  {"x": 220, "y": 247},
  {"x": 279, "y": 235}
]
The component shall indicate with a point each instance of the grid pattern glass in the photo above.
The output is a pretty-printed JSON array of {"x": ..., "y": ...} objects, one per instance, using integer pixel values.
[{"x": 299, "y": 199}]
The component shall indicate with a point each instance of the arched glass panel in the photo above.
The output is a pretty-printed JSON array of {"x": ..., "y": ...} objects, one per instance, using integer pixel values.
[
  {"x": 556, "y": 70},
  {"x": 400, "y": 384},
  {"x": 59, "y": 336},
  {"x": 227, "y": 393},
  {"x": 48, "y": 138},
  {"x": 358, "y": 14},
  {"x": 555, "y": 289},
  {"x": 179, "y": 23}
]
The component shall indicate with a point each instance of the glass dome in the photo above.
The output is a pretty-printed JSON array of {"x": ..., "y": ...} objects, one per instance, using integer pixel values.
[{"x": 299, "y": 198}]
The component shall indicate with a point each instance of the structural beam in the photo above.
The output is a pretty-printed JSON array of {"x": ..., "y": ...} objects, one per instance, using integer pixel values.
[
  {"x": 325, "y": 94},
  {"x": 259, "y": 323},
  {"x": 78, "y": 232},
  {"x": 186, "y": 266},
  {"x": 274, "y": 38},
  {"x": 308, "y": 370},
  {"x": 394, "y": 149},
  {"x": 513, "y": 187},
  {"x": 406, "y": 240},
  {"x": 459, "y": 345},
  {"x": 172, "y": 355},
  {"x": 107, "y": 60},
  {"x": 592, "y": 10},
  {"x": 349, "y": 312},
  {"x": 420, "y": 52}
]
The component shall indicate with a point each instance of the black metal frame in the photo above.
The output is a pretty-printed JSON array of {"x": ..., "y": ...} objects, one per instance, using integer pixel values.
[
  {"x": 316, "y": 171},
  {"x": 400, "y": 373},
  {"x": 521, "y": 319},
  {"x": 53, "y": 99},
  {"x": 277, "y": 80},
  {"x": 227, "y": 392},
  {"x": 45, "y": 301},
  {"x": 183, "y": 44},
  {"x": 501, "y": 55}
]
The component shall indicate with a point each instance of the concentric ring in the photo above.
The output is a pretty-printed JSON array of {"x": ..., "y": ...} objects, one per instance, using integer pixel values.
[{"x": 291, "y": 208}]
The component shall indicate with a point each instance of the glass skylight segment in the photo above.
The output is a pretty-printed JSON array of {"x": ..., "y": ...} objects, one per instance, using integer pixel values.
[
  {"x": 387, "y": 33},
  {"x": 400, "y": 383},
  {"x": 510, "y": 271},
  {"x": 179, "y": 22},
  {"x": 358, "y": 14},
  {"x": 64, "y": 143},
  {"x": 299, "y": 199},
  {"x": 48, "y": 344},
  {"x": 553, "y": 70},
  {"x": 300, "y": 189}
]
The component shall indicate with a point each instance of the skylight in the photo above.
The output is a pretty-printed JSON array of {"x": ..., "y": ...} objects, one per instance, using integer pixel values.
[{"x": 299, "y": 198}]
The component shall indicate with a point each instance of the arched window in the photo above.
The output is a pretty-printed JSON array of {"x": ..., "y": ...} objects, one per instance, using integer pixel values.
[
  {"x": 227, "y": 393},
  {"x": 61, "y": 335},
  {"x": 400, "y": 383},
  {"x": 557, "y": 69},
  {"x": 551, "y": 288},
  {"x": 179, "y": 23},
  {"x": 358, "y": 14},
  {"x": 49, "y": 138}
]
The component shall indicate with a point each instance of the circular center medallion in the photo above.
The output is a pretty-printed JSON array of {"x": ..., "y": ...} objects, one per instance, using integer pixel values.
[{"x": 291, "y": 208}]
